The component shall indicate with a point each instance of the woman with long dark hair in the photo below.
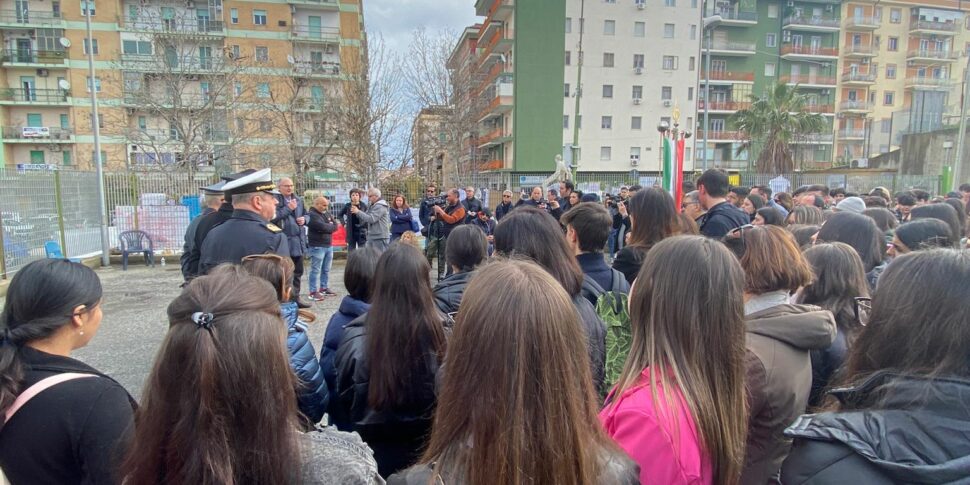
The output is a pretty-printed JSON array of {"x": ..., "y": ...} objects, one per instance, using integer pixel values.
[
  {"x": 492, "y": 424},
  {"x": 961, "y": 210},
  {"x": 388, "y": 361},
  {"x": 780, "y": 338},
  {"x": 75, "y": 429},
  {"x": 863, "y": 235},
  {"x": 219, "y": 406},
  {"x": 751, "y": 204},
  {"x": 839, "y": 280},
  {"x": 805, "y": 215},
  {"x": 899, "y": 414},
  {"x": 467, "y": 248},
  {"x": 942, "y": 212},
  {"x": 534, "y": 234},
  {"x": 768, "y": 216},
  {"x": 653, "y": 218},
  {"x": 684, "y": 376},
  {"x": 921, "y": 234}
]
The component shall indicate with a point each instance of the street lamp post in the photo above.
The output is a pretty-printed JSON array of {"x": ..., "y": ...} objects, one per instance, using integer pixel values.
[
  {"x": 709, "y": 24},
  {"x": 98, "y": 162}
]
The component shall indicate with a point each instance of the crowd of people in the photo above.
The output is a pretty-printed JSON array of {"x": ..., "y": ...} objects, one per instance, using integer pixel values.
[{"x": 741, "y": 338}]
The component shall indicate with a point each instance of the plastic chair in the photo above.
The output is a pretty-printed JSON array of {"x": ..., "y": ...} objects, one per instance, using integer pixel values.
[
  {"x": 134, "y": 242},
  {"x": 53, "y": 251}
]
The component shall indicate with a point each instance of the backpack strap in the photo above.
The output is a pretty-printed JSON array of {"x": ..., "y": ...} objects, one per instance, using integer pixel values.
[
  {"x": 39, "y": 387},
  {"x": 620, "y": 287},
  {"x": 591, "y": 290}
]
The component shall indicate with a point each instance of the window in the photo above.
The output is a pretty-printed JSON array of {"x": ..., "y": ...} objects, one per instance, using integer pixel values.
[
  {"x": 97, "y": 84},
  {"x": 634, "y": 155},
  {"x": 568, "y": 58},
  {"x": 888, "y": 98},
  {"x": 606, "y": 153},
  {"x": 690, "y": 63},
  {"x": 87, "y": 6},
  {"x": 236, "y": 54},
  {"x": 890, "y": 71},
  {"x": 771, "y": 39},
  {"x": 66, "y": 158},
  {"x": 607, "y": 59},
  {"x": 265, "y": 125},
  {"x": 772, "y": 10},
  {"x": 569, "y": 25},
  {"x": 606, "y": 122},
  {"x": 636, "y": 123},
  {"x": 637, "y": 92},
  {"x": 234, "y": 15},
  {"x": 639, "y": 29},
  {"x": 690, "y": 94},
  {"x": 893, "y": 44},
  {"x": 693, "y": 32},
  {"x": 565, "y": 122},
  {"x": 259, "y": 17},
  {"x": 609, "y": 27},
  {"x": 262, "y": 54},
  {"x": 668, "y": 31},
  {"x": 638, "y": 61},
  {"x": 565, "y": 93},
  {"x": 140, "y": 47},
  {"x": 143, "y": 122},
  {"x": 262, "y": 90},
  {"x": 670, "y": 3},
  {"x": 610, "y": 1},
  {"x": 95, "y": 46},
  {"x": 877, "y": 14},
  {"x": 607, "y": 90},
  {"x": 886, "y": 125},
  {"x": 240, "y": 124},
  {"x": 769, "y": 69},
  {"x": 669, "y": 63},
  {"x": 895, "y": 16},
  {"x": 666, "y": 93},
  {"x": 693, "y": 3},
  {"x": 100, "y": 120},
  {"x": 237, "y": 88}
]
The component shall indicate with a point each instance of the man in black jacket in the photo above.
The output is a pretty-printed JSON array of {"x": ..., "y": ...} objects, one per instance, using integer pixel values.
[
  {"x": 505, "y": 206},
  {"x": 320, "y": 229},
  {"x": 722, "y": 216},
  {"x": 587, "y": 230},
  {"x": 472, "y": 205},
  {"x": 356, "y": 232},
  {"x": 426, "y": 211},
  {"x": 212, "y": 197},
  {"x": 291, "y": 217}
]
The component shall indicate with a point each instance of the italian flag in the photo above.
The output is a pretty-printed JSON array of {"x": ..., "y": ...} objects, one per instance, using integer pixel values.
[{"x": 673, "y": 168}]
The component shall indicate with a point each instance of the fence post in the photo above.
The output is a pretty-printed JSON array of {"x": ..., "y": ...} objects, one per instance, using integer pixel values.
[
  {"x": 136, "y": 193},
  {"x": 3, "y": 255},
  {"x": 60, "y": 210}
]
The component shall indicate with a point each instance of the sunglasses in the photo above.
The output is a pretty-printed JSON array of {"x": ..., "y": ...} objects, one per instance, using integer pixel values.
[
  {"x": 270, "y": 257},
  {"x": 862, "y": 309}
]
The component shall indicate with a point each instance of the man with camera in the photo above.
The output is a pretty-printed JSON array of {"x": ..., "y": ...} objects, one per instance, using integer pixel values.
[
  {"x": 448, "y": 218},
  {"x": 551, "y": 205}
]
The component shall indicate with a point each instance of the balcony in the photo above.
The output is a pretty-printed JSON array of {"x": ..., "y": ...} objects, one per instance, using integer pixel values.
[
  {"x": 315, "y": 35},
  {"x": 855, "y": 106},
  {"x": 37, "y": 134},
  {"x": 308, "y": 104},
  {"x": 500, "y": 100},
  {"x": 153, "y": 100},
  {"x": 809, "y": 80},
  {"x": 935, "y": 28},
  {"x": 201, "y": 27},
  {"x": 928, "y": 83},
  {"x": 811, "y": 23},
  {"x": 312, "y": 69},
  {"x": 736, "y": 18},
  {"x": 732, "y": 48},
  {"x": 19, "y": 96},
  {"x": 814, "y": 139},
  {"x": 161, "y": 136},
  {"x": 723, "y": 106},
  {"x": 859, "y": 51},
  {"x": 32, "y": 58},
  {"x": 30, "y": 19},
  {"x": 722, "y": 137},
  {"x": 860, "y": 24},
  {"x": 494, "y": 47},
  {"x": 794, "y": 52},
  {"x": 495, "y": 137},
  {"x": 821, "y": 109},
  {"x": 495, "y": 9},
  {"x": 932, "y": 55},
  {"x": 728, "y": 77},
  {"x": 174, "y": 65},
  {"x": 851, "y": 134},
  {"x": 330, "y": 4},
  {"x": 859, "y": 78}
]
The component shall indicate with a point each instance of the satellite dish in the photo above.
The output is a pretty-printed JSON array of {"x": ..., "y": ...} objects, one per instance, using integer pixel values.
[
  {"x": 63, "y": 84},
  {"x": 65, "y": 42},
  {"x": 290, "y": 59}
]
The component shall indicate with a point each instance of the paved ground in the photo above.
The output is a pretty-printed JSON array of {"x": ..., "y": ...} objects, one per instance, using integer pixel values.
[{"x": 135, "y": 323}]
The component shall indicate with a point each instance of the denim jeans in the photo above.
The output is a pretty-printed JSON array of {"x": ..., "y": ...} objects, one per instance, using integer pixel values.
[{"x": 320, "y": 261}]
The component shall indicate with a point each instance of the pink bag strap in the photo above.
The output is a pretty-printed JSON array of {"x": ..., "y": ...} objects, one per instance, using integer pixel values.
[{"x": 39, "y": 387}]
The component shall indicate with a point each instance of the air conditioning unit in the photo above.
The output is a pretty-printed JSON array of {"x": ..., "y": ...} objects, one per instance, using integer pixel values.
[
  {"x": 828, "y": 8},
  {"x": 791, "y": 3},
  {"x": 43, "y": 72},
  {"x": 634, "y": 160},
  {"x": 667, "y": 103},
  {"x": 641, "y": 6},
  {"x": 190, "y": 4},
  {"x": 865, "y": 61},
  {"x": 638, "y": 70},
  {"x": 330, "y": 49},
  {"x": 637, "y": 100},
  {"x": 281, "y": 23}
]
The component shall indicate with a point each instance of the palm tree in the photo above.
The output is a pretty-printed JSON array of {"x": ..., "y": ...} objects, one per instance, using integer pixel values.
[{"x": 772, "y": 123}]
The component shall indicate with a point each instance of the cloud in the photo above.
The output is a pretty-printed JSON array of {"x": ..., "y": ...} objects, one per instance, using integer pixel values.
[{"x": 396, "y": 19}]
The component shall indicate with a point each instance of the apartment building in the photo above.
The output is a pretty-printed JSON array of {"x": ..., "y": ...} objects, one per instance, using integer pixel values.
[
  {"x": 430, "y": 143},
  {"x": 205, "y": 82},
  {"x": 755, "y": 45},
  {"x": 901, "y": 72}
]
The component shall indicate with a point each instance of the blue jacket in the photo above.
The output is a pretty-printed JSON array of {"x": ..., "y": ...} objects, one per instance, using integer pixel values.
[
  {"x": 400, "y": 222},
  {"x": 312, "y": 396},
  {"x": 350, "y": 308}
]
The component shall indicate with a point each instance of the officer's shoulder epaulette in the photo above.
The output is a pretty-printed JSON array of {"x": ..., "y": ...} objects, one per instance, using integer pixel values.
[{"x": 273, "y": 227}]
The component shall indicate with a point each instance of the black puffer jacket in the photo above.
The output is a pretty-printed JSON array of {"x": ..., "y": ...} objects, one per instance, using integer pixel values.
[
  {"x": 447, "y": 293},
  {"x": 896, "y": 430},
  {"x": 595, "y": 333}
]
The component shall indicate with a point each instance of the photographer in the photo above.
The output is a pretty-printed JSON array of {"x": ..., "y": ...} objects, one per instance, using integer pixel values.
[
  {"x": 621, "y": 219},
  {"x": 451, "y": 216},
  {"x": 551, "y": 205}
]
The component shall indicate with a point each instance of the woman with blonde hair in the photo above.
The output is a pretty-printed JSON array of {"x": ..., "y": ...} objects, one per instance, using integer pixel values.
[
  {"x": 678, "y": 408},
  {"x": 517, "y": 403}
]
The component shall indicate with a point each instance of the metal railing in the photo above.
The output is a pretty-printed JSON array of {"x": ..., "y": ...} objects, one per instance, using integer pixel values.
[
  {"x": 861, "y": 23},
  {"x": 52, "y": 133},
  {"x": 807, "y": 50},
  {"x": 40, "y": 96},
  {"x": 808, "y": 79},
  {"x": 732, "y": 46},
  {"x": 176, "y": 26},
  {"x": 315, "y": 34},
  {"x": 736, "y": 15},
  {"x": 728, "y": 76},
  {"x": 855, "y": 105},
  {"x": 163, "y": 136},
  {"x": 160, "y": 62},
  {"x": 310, "y": 68},
  {"x": 851, "y": 133},
  {"x": 859, "y": 77},
  {"x": 32, "y": 56},
  {"x": 931, "y": 25},
  {"x": 30, "y": 17},
  {"x": 810, "y": 21},
  {"x": 933, "y": 54},
  {"x": 859, "y": 49}
]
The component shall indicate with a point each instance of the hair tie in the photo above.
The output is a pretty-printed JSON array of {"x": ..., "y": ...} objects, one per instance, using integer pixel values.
[{"x": 203, "y": 320}]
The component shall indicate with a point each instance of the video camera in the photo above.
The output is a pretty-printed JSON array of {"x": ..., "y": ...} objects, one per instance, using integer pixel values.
[{"x": 438, "y": 200}]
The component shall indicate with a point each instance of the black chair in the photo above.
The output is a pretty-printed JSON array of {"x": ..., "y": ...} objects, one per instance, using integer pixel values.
[{"x": 134, "y": 242}]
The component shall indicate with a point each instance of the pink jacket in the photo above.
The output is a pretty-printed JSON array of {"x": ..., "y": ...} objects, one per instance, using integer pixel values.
[{"x": 651, "y": 439}]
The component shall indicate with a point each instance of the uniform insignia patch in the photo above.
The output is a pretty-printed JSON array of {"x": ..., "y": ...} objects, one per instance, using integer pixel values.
[{"x": 273, "y": 227}]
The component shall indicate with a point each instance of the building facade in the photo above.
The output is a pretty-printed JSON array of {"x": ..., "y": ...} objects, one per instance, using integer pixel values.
[{"x": 202, "y": 83}]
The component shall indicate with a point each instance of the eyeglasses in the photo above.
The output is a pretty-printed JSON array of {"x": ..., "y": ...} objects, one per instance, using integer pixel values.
[
  {"x": 270, "y": 257},
  {"x": 685, "y": 204},
  {"x": 506, "y": 196},
  {"x": 862, "y": 309}
]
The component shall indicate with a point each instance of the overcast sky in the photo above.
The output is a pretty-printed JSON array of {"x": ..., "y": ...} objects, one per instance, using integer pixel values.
[{"x": 395, "y": 19}]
